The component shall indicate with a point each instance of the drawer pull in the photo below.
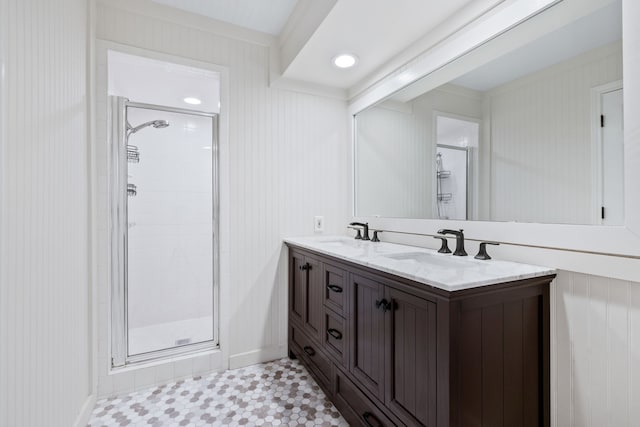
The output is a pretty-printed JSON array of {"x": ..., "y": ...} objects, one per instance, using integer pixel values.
[
  {"x": 309, "y": 350},
  {"x": 384, "y": 305},
  {"x": 367, "y": 416},
  {"x": 335, "y": 333},
  {"x": 334, "y": 288},
  {"x": 306, "y": 266}
]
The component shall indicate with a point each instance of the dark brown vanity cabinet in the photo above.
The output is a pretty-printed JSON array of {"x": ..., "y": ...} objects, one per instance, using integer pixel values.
[{"x": 390, "y": 351}]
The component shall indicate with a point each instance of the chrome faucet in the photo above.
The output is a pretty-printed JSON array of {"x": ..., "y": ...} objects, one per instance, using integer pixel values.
[
  {"x": 365, "y": 230},
  {"x": 459, "y": 241}
]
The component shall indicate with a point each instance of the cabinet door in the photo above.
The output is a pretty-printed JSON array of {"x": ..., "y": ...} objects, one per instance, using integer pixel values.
[
  {"x": 297, "y": 285},
  {"x": 367, "y": 334},
  {"x": 410, "y": 358},
  {"x": 314, "y": 310}
]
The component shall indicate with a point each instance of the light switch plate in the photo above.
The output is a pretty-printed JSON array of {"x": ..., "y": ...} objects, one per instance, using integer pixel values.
[{"x": 318, "y": 224}]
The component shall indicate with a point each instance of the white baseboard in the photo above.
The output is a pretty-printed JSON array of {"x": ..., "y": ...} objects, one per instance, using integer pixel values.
[
  {"x": 253, "y": 357},
  {"x": 85, "y": 413}
]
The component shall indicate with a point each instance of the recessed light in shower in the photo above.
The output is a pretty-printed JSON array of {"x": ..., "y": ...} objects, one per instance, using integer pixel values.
[{"x": 193, "y": 101}]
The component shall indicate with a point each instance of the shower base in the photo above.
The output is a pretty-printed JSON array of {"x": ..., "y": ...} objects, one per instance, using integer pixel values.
[{"x": 162, "y": 336}]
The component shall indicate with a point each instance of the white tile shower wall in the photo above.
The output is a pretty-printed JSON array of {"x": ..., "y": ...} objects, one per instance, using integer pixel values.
[
  {"x": 170, "y": 228},
  {"x": 45, "y": 345},
  {"x": 287, "y": 155}
]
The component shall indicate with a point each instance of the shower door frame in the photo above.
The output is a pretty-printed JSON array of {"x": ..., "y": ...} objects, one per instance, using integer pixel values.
[
  {"x": 118, "y": 179},
  {"x": 466, "y": 178}
]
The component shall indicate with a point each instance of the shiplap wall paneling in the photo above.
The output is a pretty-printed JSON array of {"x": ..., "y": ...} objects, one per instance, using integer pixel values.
[
  {"x": 287, "y": 156},
  {"x": 541, "y": 167},
  {"x": 394, "y": 172},
  {"x": 596, "y": 357},
  {"x": 44, "y": 305},
  {"x": 395, "y": 154}
]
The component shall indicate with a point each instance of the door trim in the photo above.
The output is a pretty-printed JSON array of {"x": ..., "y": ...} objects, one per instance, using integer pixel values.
[{"x": 596, "y": 146}]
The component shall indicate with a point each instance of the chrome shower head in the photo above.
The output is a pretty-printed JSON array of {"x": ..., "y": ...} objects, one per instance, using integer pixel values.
[{"x": 158, "y": 124}]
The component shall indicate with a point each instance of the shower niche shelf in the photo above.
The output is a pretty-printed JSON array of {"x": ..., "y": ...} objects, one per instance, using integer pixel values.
[
  {"x": 133, "y": 154},
  {"x": 132, "y": 190},
  {"x": 445, "y": 197}
]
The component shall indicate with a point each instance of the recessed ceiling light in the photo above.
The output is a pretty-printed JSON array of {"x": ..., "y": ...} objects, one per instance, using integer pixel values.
[
  {"x": 345, "y": 60},
  {"x": 192, "y": 101}
]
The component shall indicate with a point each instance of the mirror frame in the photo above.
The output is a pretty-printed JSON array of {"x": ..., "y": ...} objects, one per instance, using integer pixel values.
[{"x": 622, "y": 241}]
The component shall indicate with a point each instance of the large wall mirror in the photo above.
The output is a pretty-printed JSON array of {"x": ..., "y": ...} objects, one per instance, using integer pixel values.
[{"x": 528, "y": 127}]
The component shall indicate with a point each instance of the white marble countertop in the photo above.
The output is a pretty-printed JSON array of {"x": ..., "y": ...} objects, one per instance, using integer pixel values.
[{"x": 443, "y": 271}]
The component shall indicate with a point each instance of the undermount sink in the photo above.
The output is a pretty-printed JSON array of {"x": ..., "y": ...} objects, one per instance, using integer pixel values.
[
  {"x": 427, "y": 258},
  {"x": 416, "y": 256},
  {"x": 339, "y": 242}
]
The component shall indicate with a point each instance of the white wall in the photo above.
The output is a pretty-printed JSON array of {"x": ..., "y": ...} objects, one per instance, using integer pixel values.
[
  {"x": 287, "y": 161},
  {"x": 541, "y": 156},
  {"x": 45, "y": 345},
  {"x": 394, "y": 170},
  {"x": 595, "y": 351},
  {"x": 396, "y": 152}
]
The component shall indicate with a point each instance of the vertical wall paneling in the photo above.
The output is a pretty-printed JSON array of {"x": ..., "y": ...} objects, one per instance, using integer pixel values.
[
  {"x": 4, "y": 290},
  {"x": 399, "y": 138},
  {"x": 541, "y": 140},
  {"x": 45, "y": 339},
  {"x": 287, "y": 161},
  {"x": 594, "y": 353}
]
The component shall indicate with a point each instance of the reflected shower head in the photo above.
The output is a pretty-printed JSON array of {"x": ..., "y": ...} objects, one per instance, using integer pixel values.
[{"x": 158, "y": 124}]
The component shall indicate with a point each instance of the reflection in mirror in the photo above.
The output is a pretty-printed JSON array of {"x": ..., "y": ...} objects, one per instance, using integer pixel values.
[{"x": 534, "y": 135}]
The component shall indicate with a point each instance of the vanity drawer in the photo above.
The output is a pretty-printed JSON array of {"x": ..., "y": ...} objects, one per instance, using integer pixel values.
[
  {"x": 335, "y": 289},
  {"x": 357, "y": 408},
  {"x": 315, "y": 359},
  {"x": 336, "y": 337}
]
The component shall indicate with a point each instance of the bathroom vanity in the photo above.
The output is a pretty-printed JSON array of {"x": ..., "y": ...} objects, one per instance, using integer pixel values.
[{"x": 398, "y": 335}]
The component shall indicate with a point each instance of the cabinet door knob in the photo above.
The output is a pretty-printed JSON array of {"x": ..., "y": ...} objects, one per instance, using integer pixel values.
[
  {"x": 367, "y": 416},
  {"x": 309, "y": 350},
  {"x": 334, "y": 288},
  {"x": 384, "y": 305},
  {"x": 335, "y": 333},
  {"x": 305, "y": 266}
]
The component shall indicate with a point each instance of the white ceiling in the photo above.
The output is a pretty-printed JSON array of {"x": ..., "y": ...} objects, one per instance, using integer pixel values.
[
  {"x": 267, "y": 16},
  {"x": 374, "y": 30}
]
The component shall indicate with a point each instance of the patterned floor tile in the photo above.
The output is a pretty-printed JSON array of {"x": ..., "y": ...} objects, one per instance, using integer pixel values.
[{"x": 275, "y": 393}]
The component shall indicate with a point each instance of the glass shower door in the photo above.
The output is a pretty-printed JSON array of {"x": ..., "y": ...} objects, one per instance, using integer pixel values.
[{"x": 168, "y": 266}]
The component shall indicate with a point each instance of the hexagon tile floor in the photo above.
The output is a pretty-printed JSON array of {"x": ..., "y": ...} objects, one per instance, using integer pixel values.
[{"x": 275, "y": 393}]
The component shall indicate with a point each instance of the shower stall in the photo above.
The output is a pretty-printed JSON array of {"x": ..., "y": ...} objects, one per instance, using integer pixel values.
[{"x": 164, "y": 231}]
